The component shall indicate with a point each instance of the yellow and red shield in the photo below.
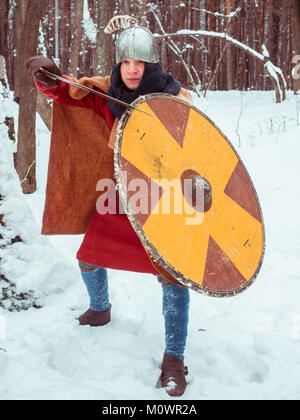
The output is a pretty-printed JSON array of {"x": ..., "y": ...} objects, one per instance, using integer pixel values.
[{"x": 215, "y": 245}]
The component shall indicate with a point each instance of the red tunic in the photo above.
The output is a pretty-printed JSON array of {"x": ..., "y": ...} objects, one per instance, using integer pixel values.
[{"x": 109, "y": 241}]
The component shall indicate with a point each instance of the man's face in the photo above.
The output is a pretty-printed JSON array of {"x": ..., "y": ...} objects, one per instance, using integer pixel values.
[{"x": 132, "y": 71}]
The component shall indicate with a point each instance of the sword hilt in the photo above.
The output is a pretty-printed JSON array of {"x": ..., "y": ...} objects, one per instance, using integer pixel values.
[{"x": 48, "y": 73}]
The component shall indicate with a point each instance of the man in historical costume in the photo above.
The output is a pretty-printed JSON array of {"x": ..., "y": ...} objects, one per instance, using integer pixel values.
[{"x": 84, "y": 124}]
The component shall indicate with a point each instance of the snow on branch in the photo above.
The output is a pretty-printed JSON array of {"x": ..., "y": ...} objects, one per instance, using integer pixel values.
[
  {"x": 217, "y": 14},
  {"x": 223, "y": 35},
  {"x": 276, "y": 75},
  {"x": 274, "y": 72}
]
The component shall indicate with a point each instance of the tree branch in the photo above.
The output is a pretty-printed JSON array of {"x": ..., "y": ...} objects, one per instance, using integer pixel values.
[
  {"x": 171, "y": 44},
  {"x": 274, "y": 72},
  {"x": 27, "y": 172}
]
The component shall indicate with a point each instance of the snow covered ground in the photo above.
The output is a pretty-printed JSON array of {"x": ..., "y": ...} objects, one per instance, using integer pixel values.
[{"x": 243, "y": 347}]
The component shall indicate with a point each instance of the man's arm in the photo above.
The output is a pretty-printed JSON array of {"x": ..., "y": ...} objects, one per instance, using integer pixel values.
[{"x": 59, "y": 91}]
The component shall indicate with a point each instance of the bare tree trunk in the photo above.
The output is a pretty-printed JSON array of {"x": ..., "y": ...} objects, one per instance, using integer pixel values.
[
  {"x": 272, "y": 31},
  {"x": 143, "y": 11},
  {"x": 212, "y": 59},
  {"x": 8, "y": 40},
  {"x": 105, "y": 44},
  {"x": 295, "y": 14},
  {"x": 252, "y": 42},
  {"x": 126, "y": 7},
  {"x": 242, "y": 55},
  {"x": 180, "y": 12},
  {"x": 229, "y": 71},
  {"x": 25, "y": 156},
  {"x": 3, "y": 28},
  {"x": 260, "y": 29},
  {"x": 77, "y": 31},
  {"x": 44, "y": 109},
  {"x": 65, "y": 37},
  {"x": 18, "y": 35},
  {"x": 284, "y": 31}
]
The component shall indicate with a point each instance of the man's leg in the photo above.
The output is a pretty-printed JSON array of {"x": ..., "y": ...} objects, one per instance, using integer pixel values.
[
  {"x": 96, "y": 282},
  {"x": 175, "y": 304}
]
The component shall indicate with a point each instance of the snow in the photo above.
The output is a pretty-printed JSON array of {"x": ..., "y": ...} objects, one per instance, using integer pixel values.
[
  {"x": 243, "y": 347},
  {"x": 265, "y": 51},
  {"x": 90, "y": 29},
  {"x": 296, "y": 68},
  {"x": 26, "y": 263}
]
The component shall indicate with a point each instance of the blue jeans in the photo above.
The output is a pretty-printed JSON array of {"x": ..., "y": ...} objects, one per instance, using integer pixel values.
[
  {"x": 96, "y": 282},
  {"x": 175, "y": 305},
  {"x": 176, "y": 300}
]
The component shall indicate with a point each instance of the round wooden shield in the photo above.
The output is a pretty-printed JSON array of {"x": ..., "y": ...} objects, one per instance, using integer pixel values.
[{"x": 188, "y": 196}]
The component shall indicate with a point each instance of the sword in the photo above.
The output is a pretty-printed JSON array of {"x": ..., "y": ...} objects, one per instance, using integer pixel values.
[{"x": 70, "y": 82}]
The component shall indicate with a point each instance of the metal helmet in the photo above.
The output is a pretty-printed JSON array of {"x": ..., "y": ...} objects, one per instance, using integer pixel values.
[{"x": 136, "y": 42}]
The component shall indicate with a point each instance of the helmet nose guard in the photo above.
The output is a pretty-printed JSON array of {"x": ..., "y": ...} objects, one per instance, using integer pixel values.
[{"x": 136, "y": 42}]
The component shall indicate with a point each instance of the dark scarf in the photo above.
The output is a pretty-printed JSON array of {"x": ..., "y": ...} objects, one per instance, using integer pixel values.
[{"x": 154, "y": 80}]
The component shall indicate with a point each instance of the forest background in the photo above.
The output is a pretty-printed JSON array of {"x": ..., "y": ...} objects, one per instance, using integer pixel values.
[{"x": 206, "y": 44}]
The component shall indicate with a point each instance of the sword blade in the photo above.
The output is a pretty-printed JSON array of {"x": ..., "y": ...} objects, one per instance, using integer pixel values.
[{"x": 70, "y": 82}]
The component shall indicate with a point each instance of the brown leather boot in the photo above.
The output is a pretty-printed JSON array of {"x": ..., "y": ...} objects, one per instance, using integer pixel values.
[
  {"x": 95, "y": 318},
  {"x": 173, "y": 376}
]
